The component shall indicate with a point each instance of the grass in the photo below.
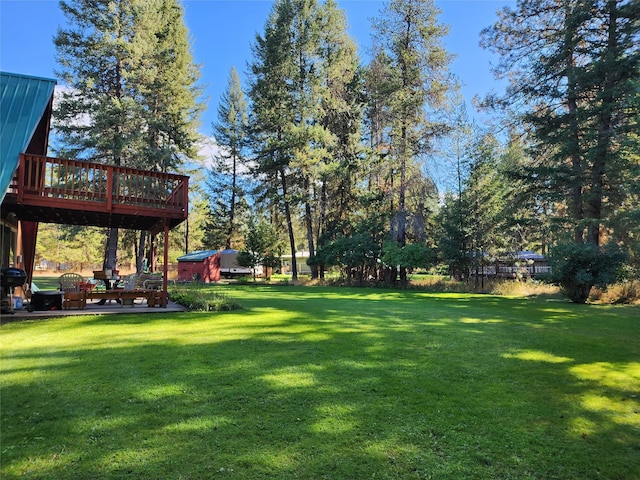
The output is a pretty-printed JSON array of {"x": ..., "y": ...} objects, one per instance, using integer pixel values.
[
  {"x": 325, "y": 382},
  {"x": 47, "y": 282}
]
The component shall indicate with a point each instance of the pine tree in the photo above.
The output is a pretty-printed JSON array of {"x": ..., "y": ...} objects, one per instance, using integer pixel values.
[
  {"x": 305, "y": 92},
  {"x": 226, "y": 179},
  {"x": 453, "y": 235},
  {"x": 573, "y": 69},
  {"x": 340, "y": 116},
  {"x": 272, "y": 112},
  {"x": 410, "y": 38},
  {"x": 484, "y": 199},
  {"x": 131, "y": 98},
  {"x": 168, "y": 85}
]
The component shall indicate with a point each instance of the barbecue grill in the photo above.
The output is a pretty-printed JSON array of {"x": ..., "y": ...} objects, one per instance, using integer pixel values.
[{"x": 10, "y": 278}]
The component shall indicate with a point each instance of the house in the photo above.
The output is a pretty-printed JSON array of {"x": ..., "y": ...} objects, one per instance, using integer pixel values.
[
  {"x": 522, "y": 264},
  {"x": 25, "y": 111},
  {"x": 36, "y": 188},
  {"x": 301, "y": 263}
]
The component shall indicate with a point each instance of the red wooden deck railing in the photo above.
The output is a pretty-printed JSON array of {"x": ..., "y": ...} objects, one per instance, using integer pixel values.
[{"x": 94, "y": 186}]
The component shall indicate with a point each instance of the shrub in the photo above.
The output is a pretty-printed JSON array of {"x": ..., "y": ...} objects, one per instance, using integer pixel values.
[
  {"x": 577, "y": 267},
  {"x": 201, "y": 300},
  {"x": 620, "y": 293},
  {"x": 517, "y": 288}
]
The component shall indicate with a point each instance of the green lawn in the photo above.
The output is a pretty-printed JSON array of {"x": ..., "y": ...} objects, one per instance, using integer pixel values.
[{"x": 327, "y": 383}]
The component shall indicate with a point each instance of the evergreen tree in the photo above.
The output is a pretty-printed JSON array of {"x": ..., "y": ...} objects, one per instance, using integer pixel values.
[
  {"x": 273, "y": 112},
  {"x": 227, "y": 182},
  {"x": 262, "y": 246},
  {"x": 336, "y": 175},
  {"x": 309, "y": 137},
  {"x": 454, "y": 235},
  {"x": 472, "y": 221},
  {"x": 484, "y": 199},
  {"x": 96, "y": 119},
  {"x": 454, "y": 229},
  {"x": 410, "y": 38},
  {"x": 528, "y": 214},
  {"x": 573, "y": 68},
  {"x": 131, "y": 99},
  {"x": 168, "y": 86},
  {"x": 305, "y": 92}
]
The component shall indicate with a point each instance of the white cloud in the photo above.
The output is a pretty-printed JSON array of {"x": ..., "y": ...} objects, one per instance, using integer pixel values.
[
  {"x": 208, "y": 148},
  {"x": 58, "y": 93}
]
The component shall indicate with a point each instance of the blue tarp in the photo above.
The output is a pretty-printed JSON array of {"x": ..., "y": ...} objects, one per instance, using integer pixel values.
[{"x": 23, "y": 102}]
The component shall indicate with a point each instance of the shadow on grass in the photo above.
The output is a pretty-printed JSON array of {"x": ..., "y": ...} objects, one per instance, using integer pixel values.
[{"x": 323, "y": 385}]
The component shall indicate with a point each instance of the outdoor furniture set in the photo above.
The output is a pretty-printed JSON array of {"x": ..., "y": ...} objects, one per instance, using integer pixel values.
[{"x": 76, "y": 291}]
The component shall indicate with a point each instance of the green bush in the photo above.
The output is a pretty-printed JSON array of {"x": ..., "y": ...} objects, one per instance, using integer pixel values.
[
  {"x": 201, "y": 300},
  {"x": 577, "y": 267}
]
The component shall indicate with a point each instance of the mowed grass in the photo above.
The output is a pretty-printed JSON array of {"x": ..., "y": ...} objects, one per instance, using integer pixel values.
[{"x": 327, "y": 383}]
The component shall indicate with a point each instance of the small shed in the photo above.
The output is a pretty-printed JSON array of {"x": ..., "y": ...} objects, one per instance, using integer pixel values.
[{"x": 201, "y": 265}]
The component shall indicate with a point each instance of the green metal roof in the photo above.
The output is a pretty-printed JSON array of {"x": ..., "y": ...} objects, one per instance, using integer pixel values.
[
  {"x": 23, "y": 102},
  {"x": 197, "y": 256}
]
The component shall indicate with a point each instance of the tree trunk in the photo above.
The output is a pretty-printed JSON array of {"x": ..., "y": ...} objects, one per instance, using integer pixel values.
[
  {"x": 323, "y": 221},
  {"x": 576, "y": 190},
  {"x": 153, "y": 253},
  {"x": 140, "y": 249},
  {"x": 232, "y": 206},
  {"x": 308, "y": 220},
  {"x": 111, "y": 250},
  {"x": 311, "y": 246},
  {"x": 287, "y": 212},
  {"x": 402, "y": 209},
  {"x": 605, "y": 132}
]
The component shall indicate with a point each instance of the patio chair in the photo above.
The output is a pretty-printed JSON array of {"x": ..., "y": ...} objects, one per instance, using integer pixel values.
[
  {"x": 128, "y": 283},
  {"x": 149, "y": 281},
  {"x": 73, "y": 288}
]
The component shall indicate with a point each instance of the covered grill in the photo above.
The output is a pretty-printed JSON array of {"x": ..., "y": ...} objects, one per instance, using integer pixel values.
[{"x": 10, "y": 278}]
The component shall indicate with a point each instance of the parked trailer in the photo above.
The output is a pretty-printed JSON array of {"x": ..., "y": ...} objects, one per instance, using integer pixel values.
[
  {"x": 211, "y": 265},
  {"x": 229, "y": 267}
]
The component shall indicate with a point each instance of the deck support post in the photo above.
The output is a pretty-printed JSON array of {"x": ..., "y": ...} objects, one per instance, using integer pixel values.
[{"x": 165, "y": 267}]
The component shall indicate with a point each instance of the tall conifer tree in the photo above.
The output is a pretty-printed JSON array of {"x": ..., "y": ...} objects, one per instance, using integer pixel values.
[
  {"x": 341, "y": 116},
  {"x": 573, "y": 67},
  {"x": 410, "y": 38},
  {"x": 273, "y": 111},
  {"x": 131, "y": 97},
  {"x": 304, "y": 92},
  {"x": 228, "y": 185}
]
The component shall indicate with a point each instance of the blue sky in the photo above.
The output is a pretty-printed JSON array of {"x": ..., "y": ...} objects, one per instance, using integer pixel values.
[{"x": 222, "y": 32}]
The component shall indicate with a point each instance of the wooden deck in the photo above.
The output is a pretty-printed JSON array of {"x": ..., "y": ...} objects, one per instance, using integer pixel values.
[
  {"x": 57, "y": 190},
  {"x": 93, "y": 307}
]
